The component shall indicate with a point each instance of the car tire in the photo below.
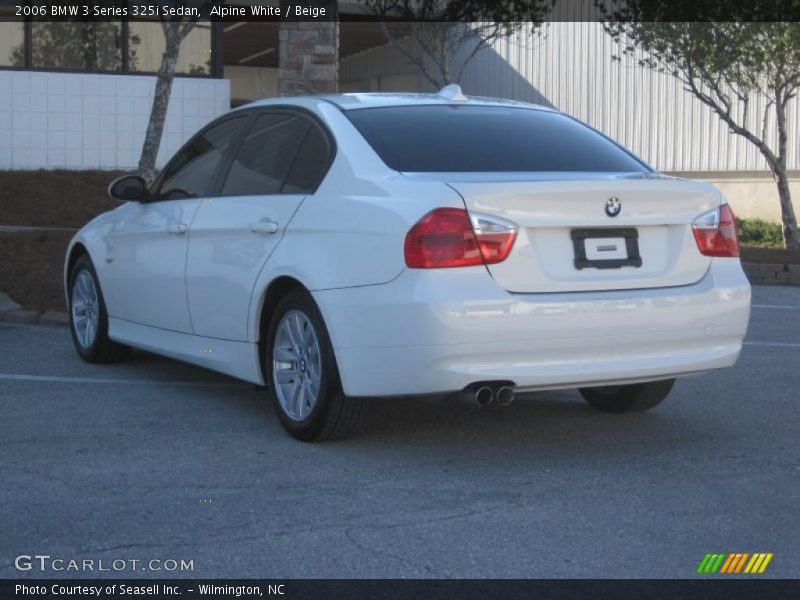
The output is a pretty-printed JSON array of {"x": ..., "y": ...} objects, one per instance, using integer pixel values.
[
  {"x": 637, "y": 397},
  {"x": 301, "y": 374},
  {"x": 86, "y": 306}
]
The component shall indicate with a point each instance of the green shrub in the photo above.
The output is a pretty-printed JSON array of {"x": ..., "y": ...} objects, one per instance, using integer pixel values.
[{"x": 759, "y": 233}]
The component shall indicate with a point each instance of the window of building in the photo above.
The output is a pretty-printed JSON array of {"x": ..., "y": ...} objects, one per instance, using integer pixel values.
[
  {"x": 12, "y": 40},
  {"x": 95, "y": 46},
  {"x": 191, "y": 173},
  {"x": 146, "y": 45},
  {"x": 265, "y": 155},
  {"x": 103, "y": 46}
]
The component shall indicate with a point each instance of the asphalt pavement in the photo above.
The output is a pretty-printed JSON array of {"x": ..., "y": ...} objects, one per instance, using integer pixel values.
[{"x": 155, "y": 460}]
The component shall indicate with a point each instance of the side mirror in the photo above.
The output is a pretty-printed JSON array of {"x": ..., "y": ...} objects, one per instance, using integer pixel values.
[{"x": 128, "y": 188}]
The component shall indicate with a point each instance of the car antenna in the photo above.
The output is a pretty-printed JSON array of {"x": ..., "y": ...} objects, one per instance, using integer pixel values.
[{"x": 452, "y": 92}]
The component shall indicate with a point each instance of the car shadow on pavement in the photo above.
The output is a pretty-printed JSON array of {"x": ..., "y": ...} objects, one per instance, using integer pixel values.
[
  {"x": 544, "y": 423},
  {"x": 556, "y": 423}
]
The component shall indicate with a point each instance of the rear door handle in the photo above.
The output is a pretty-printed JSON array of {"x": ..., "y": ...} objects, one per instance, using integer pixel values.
[
  {"x": 264, "y": 226},
  {"x": 178, "y": 228}
]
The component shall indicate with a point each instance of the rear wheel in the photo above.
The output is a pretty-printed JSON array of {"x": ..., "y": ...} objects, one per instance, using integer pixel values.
[
  {"x": 88, "y": 318},
  {"x": 303, "y": 379},
  {"x": 637, "y": 397}
]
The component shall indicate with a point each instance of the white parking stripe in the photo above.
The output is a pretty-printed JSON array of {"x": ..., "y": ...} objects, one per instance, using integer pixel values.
[
  {"x": 57, "y": 379},
  {"x": 775, "y": 344},
  {"x": 21, "y": 228},
  {"x": 783, "y": 306}
]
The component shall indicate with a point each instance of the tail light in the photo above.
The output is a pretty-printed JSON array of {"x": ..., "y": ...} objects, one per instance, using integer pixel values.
[
  {"x": 450, "y": 237},
  {"x": 715, "y": 232}
]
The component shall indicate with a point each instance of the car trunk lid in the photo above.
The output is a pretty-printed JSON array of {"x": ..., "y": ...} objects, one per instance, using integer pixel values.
[{"x": 569, "y": 242}]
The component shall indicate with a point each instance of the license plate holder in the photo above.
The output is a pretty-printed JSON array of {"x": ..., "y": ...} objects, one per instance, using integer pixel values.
[{"x": 582, "y": 237}]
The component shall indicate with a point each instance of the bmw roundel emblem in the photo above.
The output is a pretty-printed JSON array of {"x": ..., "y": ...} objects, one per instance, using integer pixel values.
[{"x": 613, "y": 206}]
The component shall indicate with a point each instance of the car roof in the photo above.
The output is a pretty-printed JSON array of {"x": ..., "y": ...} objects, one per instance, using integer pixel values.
[{"x": 451, "y": 95}]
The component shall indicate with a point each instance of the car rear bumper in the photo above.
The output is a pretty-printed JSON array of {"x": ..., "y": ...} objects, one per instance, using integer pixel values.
[{"x": 431, "y": 331}]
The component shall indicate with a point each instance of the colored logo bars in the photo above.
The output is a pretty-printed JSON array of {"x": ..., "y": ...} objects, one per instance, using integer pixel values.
[{"x": 735, "y": 562}]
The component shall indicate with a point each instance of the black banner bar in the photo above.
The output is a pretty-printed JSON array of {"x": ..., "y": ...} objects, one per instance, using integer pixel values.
[
  {"x": 732, "y": 588},
  {"x": 401, "y": 11}
]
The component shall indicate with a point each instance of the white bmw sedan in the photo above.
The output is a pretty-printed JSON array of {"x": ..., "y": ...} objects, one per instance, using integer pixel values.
[{"x": 336, "y": 248}]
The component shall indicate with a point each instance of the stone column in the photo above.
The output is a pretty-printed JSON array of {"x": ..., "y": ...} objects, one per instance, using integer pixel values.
[{"x": 308, "y": 60}]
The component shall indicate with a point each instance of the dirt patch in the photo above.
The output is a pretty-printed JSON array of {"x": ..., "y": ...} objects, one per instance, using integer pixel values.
[
  {"x": 31, "y": 270},
  {"x": 54, "y": 198},
  {"x": 769, "y": 256}
]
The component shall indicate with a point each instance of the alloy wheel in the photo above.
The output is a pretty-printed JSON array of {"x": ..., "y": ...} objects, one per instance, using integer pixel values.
[
  {"x": 296, "y": 365},
  {"x": 85, "y": 309}
]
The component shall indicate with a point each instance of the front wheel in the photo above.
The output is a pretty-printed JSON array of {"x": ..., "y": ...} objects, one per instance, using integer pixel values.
[
  {"x": 88, "y": 318},
  {"x": 302, "y": 376},
  {"x": 637, "y": 397}
]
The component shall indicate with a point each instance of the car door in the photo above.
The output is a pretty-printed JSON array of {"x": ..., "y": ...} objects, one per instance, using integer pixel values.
[
  {"x": 144, "y": 275},
  {"x": 281, "y": 159}
]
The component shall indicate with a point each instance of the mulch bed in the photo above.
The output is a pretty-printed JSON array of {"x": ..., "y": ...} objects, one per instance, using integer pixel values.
[
  {"x": 54, "y": 198},
  {"x": 31, "y": 270}
]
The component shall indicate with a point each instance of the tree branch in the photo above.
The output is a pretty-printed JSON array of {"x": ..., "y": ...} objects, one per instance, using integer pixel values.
[{"x": 415, "y": 60}]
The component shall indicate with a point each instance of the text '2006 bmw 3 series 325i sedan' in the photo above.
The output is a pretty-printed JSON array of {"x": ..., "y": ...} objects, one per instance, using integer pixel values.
[{"x": 345, "y": 247}]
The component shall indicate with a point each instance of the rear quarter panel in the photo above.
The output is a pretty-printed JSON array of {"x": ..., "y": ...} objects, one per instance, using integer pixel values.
[{"x": 350, "y": 232}]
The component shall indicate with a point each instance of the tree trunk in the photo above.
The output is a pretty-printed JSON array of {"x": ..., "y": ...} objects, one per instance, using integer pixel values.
[
  {"x": 791, "y": 239},
  {"x": 444, "y": 58},
  {"x": 158, "y": 113}
]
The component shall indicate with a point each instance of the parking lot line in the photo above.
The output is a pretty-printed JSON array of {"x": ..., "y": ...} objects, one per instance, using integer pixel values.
[
  {"x": 780, "y": 306},
  {"x": 59, "y": 379},
  {"x": 775, "y": 344}
]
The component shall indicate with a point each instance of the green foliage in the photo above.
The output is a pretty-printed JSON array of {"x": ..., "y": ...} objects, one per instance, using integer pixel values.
[{"x": 759, "y": 233}]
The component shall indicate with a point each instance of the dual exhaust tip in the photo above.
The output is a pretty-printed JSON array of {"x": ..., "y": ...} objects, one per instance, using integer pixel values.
[{"x": 484, "y": 393}]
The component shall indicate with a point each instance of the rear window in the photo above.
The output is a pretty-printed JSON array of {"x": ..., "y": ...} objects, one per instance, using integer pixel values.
[{"x": 447, "y": 138}]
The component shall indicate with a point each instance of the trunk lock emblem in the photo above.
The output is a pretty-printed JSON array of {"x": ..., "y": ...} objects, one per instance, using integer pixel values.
[{"x": 613, "y": 206}]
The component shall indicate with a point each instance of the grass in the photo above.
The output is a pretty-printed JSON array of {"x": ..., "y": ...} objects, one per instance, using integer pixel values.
[{"x": 757, "y": 233}]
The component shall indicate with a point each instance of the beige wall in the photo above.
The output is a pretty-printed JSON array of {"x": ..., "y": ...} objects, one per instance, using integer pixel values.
[
  {"x": 385, "y": 83},
  {"x": 751, "y": 195},
  {"x": 252, "y": 83}
]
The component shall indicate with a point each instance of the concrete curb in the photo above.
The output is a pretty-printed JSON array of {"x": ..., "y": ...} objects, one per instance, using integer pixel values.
[
  {"x": 6, "y": 303},
  {"x": 21, "y": 316},
  {"x": 55, "y": 317},
  {"x": 11, "y": 312}
]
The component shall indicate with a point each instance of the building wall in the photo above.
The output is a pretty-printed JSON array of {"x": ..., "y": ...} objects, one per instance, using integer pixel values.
[
  {"x": 573, "y": 67},
  {"x": 90, "y": 121},
  {"x": 751, "y": 195}
]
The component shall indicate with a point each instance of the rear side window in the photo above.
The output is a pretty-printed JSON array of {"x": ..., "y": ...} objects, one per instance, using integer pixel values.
[
  {"x": 192, "y": 171},
  {"x": 265, "y": 155},
  {"x": 310, "y": 165},
  {"x": 447, "y": 138}
]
